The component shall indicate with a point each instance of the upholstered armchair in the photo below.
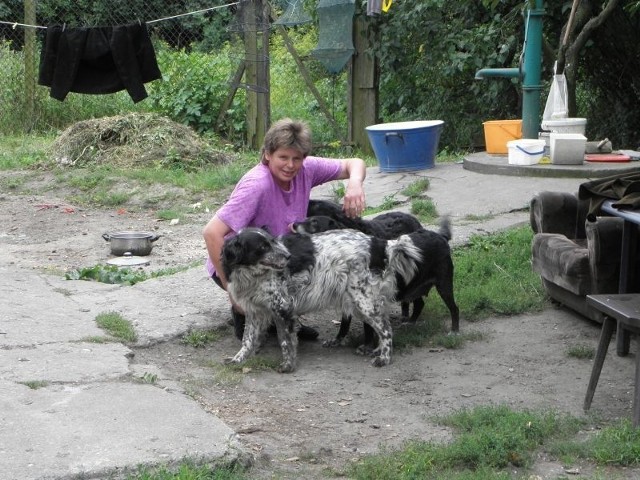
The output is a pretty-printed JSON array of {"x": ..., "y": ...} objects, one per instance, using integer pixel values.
[{"x": 574, "y": 257}]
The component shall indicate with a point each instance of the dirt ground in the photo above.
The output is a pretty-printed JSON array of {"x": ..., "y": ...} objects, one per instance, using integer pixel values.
[{"x": 336, "y": 407}]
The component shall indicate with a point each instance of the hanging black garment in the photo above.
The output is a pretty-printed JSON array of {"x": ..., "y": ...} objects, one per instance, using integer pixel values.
[{"x": 98, "y": 60}]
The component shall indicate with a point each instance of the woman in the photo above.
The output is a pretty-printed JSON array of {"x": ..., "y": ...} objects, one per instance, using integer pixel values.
[{"x": 275, "y": 193}]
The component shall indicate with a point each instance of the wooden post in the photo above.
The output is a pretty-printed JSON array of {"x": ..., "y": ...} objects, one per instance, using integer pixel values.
[
  {"x": 363, "y": 87},
  {"x": 256, "y": 47},
  {"x": 29, "y": 64}
]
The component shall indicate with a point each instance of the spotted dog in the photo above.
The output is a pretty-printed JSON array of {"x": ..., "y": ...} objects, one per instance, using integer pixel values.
[
  {"x": 275, "y": 280},
  {"x": 435, "y": 269}
]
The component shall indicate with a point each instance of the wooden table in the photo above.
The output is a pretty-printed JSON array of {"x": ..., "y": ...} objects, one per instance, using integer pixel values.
[{"x": 625, "y": 310}]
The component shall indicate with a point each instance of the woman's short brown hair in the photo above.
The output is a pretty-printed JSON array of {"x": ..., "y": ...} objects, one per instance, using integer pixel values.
[{"x": 287, "y": 133}]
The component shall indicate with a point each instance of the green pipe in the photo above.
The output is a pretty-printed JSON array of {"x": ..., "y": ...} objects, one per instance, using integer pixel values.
[
  {"x": 530, "y": 72},
  {"x": 532, "y": 66},
  {"x": 498, "y": 73}
]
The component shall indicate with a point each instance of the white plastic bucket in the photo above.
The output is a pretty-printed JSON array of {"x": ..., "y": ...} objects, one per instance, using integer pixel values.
[
  {"x": 525, "y": 151},
  {"x": 565, "y": 125}
]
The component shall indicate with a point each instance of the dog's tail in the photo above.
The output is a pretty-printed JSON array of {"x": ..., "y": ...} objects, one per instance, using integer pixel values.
[
  {"x": 404, "y": 257},
  {"x": 445, "y": 227}
]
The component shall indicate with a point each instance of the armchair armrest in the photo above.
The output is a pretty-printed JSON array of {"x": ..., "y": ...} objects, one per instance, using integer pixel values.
[
  {"x": 604, "y": 241},
  {"x": 554, "y": 212}
]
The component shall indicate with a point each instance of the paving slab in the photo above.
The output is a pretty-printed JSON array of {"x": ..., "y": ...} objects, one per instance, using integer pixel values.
[{"x": 103, "y": 429}]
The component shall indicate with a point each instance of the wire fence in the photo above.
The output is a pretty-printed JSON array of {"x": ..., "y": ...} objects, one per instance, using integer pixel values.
[{"x": 182, "y": 33}]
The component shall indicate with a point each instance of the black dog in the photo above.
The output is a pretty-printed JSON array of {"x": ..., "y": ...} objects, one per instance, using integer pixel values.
[
  {"x": 388, "y": 225},
  {"x": 275, "y": 280}
]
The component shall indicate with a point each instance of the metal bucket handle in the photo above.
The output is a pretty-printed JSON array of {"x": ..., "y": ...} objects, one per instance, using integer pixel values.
[{"x": 393, "y": 134}]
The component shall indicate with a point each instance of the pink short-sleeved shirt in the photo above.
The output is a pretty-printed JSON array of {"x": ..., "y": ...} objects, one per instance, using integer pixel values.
[{"x": 257, "y": 201}]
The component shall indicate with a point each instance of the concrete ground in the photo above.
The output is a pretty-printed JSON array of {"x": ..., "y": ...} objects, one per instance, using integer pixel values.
[{"x": 91, "y": 420}]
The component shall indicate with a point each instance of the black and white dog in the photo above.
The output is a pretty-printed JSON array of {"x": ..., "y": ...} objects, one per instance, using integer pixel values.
[
  {"x": 275, "y": 280},
  {"x": 435, "y": 269}
]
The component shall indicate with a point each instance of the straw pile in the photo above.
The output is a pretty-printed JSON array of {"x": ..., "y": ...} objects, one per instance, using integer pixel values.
[{"x": 135, "y": 140}]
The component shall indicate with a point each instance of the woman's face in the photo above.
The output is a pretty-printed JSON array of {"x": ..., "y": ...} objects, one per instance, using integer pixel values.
[{"x": 284, "y": 164}]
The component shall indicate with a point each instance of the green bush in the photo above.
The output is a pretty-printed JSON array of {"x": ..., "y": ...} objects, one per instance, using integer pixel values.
[
  {"x": 193, "y": 88},
  {"x": 290, "y": 95}
]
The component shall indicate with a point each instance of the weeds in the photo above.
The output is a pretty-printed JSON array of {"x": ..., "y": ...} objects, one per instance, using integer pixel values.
[
  {"x": 201, "y": 338},
  {"x": 35, "y": 384},
  {"x": 417, "y": 188},
  {"x": 116, "y": 326},
  {"x": 112, "y": 274},
  {"x": 425, "y": 210},
  {"x": 582, "y": 352}
]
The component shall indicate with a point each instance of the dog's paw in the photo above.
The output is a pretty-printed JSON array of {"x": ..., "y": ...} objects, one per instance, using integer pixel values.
[
  {"x": 334, "y": 342},
  {"x": 407, "y": 321},
  {"x": 286, "y": 367},
  {"x": 381, "y": 361},
  {"x": 230, "y": 360}
]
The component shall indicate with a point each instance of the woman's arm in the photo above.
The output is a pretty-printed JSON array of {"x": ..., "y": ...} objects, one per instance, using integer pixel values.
[
  {"x": 355, "y": 170},
  {"x": 214, "y": 233}
]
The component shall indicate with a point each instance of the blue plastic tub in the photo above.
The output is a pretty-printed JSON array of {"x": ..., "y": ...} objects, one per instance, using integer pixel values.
[{"x": 404, "y": 146}]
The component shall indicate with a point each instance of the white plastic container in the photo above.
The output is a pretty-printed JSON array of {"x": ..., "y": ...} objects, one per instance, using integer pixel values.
[
  {"x": 565, "y": 125},
  {"x": 526, "y": 151},
  {"x": 567, "y": 148}
]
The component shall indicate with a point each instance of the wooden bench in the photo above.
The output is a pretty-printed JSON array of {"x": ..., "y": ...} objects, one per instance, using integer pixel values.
[{"x": 624, "y": 310}]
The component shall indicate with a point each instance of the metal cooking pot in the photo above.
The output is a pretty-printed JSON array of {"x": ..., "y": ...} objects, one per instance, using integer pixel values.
[{"x": 134, "y": 243}]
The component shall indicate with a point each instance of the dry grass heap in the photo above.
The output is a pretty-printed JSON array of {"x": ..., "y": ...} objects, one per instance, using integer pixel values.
[{"x": 135, "y": 140}]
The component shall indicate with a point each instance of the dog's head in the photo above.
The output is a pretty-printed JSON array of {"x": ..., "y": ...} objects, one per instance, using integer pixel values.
[
  {"x": 253, "y": 247},
  {"x": 317, "y": 224}
]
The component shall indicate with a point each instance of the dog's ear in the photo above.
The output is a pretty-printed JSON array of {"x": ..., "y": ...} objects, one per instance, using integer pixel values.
[{"x": 231, "y": 251}]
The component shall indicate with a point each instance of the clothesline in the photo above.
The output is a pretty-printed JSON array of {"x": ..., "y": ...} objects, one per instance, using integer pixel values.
[{"x": 17, "y": 24}]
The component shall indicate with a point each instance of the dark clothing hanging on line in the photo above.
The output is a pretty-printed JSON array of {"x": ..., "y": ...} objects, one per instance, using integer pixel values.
[{"x": 98, "y": 60}]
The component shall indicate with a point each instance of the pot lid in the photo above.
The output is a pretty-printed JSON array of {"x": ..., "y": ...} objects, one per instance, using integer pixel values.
[{"x": 128, "y": 261}]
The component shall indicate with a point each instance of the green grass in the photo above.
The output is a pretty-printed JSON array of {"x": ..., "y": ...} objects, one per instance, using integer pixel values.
[
  {"x": 493, "y": 275},
  {"x": 188, "y": 470},
  {"x": 24, "y": 151},
  {"x": 116, "y": 326},
  {"x": 486, "y": 440}
]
